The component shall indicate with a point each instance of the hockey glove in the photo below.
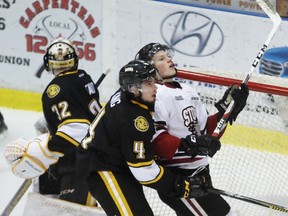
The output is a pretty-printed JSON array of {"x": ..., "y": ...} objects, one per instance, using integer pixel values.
[
  {"x": 182, "y": 187},
  {"x": 29, "y": 158},
  {"x": 200, "y": 145},
  {"x": 192, "y": 187},
  {"x": 239, "y": 95},
  {"x": 199, "y": 184}
]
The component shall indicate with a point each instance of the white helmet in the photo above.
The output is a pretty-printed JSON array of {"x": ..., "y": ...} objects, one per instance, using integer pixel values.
[{"x": 61, "y": 54}]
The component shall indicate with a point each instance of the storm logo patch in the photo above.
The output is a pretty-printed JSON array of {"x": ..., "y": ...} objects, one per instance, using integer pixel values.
[
  {"x": 141, "y": 124},
  {"x": 53, "y": 90}
]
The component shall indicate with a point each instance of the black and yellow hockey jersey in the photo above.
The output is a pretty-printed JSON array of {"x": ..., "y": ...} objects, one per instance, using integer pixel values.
[
  {"x": 70, "y": 104},
  {"x": 120, "y": 141}
]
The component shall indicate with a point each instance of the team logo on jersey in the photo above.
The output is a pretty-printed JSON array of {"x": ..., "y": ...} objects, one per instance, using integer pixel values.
[
  {"x": 141, "y": 124},
  {"x": 53, "y": 90},
  {"x": 178, "y": 98},
  {"x": 190, "y": 119}
]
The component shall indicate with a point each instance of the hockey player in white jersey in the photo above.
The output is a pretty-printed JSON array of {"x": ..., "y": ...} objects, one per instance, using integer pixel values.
[{"x": 183, "y": 138}]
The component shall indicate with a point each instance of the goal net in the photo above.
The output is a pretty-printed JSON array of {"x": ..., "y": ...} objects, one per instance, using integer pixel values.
[
  {"x": 252, "y": 161},
  {"x": 253, "y": 158}
]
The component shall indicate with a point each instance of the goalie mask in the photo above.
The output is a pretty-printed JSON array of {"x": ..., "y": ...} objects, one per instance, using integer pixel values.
[
  {"x": 147, "y": 52},
  {"x": 61, "y": 55},
  {"x": 134, "y": 73}
]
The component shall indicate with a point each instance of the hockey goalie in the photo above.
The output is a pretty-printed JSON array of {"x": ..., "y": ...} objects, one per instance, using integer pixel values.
[{"x": 30, "y": 158}]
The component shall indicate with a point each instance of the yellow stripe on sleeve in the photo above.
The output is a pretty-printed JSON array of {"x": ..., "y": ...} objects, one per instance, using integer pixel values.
[
  {"x": 68, "y": 138},
  {"x": 141, "y": 164}
]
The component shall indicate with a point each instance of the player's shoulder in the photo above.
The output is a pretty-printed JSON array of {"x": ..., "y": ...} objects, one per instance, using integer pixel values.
[
  {"x": 187, "y": 87},
  {"x": 161, "y": 87},
  {"x": 115, "y": 110},
  {"x": 57, "y": 88},
  {"x": 81, "y": 73},
  {"x": 118, "y": 103},
  {"x": 121, "y": 107},
  {"x": 71, "y": 79},
  {"x": 165, "y": 89}
]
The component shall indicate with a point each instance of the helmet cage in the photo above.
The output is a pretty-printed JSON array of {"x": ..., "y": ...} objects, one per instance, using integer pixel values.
[
  {"x": 148, "y": 51},
  {"x": 61, "y": 54}
]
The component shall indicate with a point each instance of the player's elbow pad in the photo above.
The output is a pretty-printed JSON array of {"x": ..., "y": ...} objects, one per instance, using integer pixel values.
[{"x": 29, "y": 159}]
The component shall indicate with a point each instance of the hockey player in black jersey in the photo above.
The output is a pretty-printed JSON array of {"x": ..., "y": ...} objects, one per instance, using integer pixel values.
[
  {"x": 70, "y": 104},
  {"x": 119, "y": 150}
]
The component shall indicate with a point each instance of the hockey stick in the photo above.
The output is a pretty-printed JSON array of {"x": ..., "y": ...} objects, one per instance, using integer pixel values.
[
  {"x": 15, "y": 199},
  {"x": 276, "y": 19},
  {"x": 40, "y": 71},
  {"x": 248, "y": 199},
  {"x": 103, "y": 75}
]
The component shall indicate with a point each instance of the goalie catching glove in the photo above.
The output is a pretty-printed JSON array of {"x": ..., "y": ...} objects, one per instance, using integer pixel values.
[
  {"x": 30, "y": 158},
  {"x": 199, "y": 145},
  {"x": 239, "y": 95},
  {"x": 192, "y": 187}
]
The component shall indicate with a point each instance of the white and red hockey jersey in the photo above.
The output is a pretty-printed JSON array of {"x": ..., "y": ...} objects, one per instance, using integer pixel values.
[{"x": 178, "y": 112}]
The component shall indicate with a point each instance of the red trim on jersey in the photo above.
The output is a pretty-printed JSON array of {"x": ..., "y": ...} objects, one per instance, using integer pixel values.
[
  {"x": 194, "y": 207},
  {"x": 172, "y": 84},
  {"x": 212, "y": 124},
  {"x": 165, "y": 145}
]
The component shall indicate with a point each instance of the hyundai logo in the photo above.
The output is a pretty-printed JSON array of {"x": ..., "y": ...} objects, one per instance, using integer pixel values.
[{"x": 192, "y": 33}]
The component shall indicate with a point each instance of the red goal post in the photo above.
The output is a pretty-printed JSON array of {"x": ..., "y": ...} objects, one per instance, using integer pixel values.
[{"x": 196, "y": 74}]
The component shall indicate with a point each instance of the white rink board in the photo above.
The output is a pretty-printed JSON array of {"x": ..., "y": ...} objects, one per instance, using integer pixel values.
[{"x": 124, "y": 27}]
